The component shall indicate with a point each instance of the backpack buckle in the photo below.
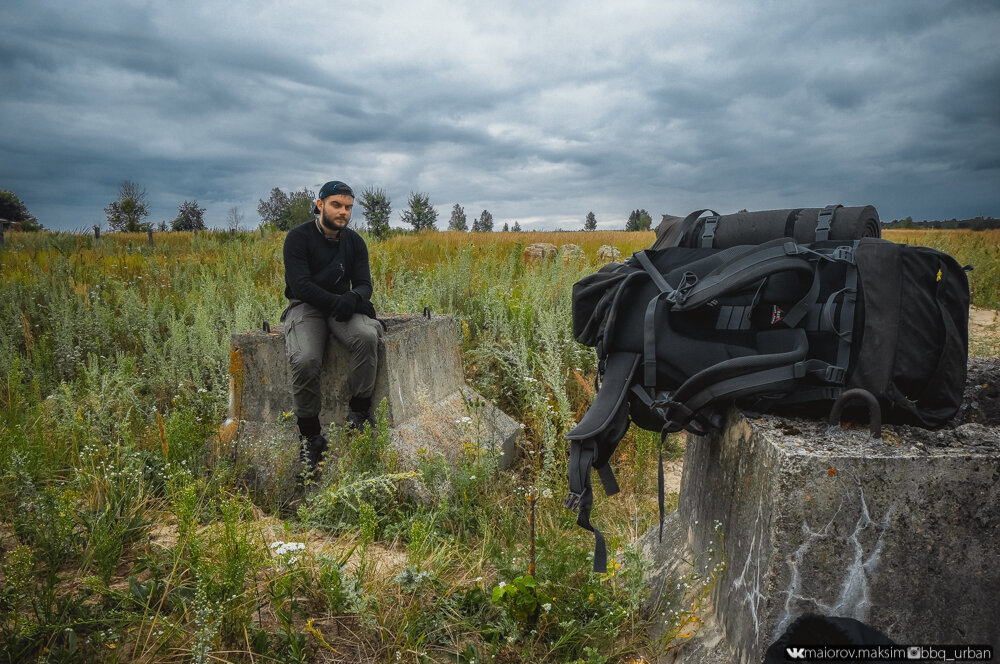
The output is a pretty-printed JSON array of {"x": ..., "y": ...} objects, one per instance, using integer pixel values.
[
  {"x": 688, "y": 281},
  {"x": 835, "y": 374},
  {"x": 572, "y": 501},
  {"x": 843, "y": 253}
]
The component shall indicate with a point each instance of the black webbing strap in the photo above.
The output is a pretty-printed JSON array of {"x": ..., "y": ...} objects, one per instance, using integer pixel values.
[
  {"x": 678, "y": 414},
  {"x": 846, "y": 331},
  {"x": 795, "y": 314},
  {"x": 769, "y": 259},
  {"x": 649, "y": 319},
  {"x": 608, "y": 479},
  {"x": 659, "y": 479},
  {"x": 581, "y": 495},
  {"x": 708, "y": 231},
  {"x": 655, "y": 406},
  {"x": 824, "y": 221},
  {"x": 800, "y": 396},
  {"x": 654, "y": 274},
  {"x": 790, "y": 220},
  {"x": 649, "y": 340},
  {"x": 688, "y": 224}
]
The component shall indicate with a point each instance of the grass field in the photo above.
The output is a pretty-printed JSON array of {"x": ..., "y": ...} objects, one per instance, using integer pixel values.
[{"x": 124, "y": 540}]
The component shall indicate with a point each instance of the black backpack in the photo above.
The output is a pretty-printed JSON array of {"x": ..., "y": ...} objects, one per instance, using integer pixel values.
[{"x": 683, "y": 332}]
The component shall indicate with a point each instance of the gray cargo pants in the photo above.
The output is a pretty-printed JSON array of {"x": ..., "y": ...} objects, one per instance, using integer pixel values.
[{"x": 306, "y": 331}]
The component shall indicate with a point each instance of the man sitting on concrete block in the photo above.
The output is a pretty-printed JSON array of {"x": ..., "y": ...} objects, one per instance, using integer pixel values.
[{"x": 329, "y": 286}]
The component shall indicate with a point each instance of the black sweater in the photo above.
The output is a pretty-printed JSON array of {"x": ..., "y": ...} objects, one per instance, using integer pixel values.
[{"x": 318, "y": 270}]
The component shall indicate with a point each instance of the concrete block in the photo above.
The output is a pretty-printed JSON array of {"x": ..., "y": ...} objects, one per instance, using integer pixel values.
[
  {"x": 902, "y": 534},
  {"x": 419, "y": 375}
]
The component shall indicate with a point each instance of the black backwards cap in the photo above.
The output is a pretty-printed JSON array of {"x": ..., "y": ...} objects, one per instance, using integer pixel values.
[{"x": 333, "y": 188}]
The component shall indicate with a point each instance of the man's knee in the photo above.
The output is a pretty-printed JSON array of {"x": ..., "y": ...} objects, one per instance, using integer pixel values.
[
  {"x": 364, "y": 339},
  {"x": 305, "y": 367}
]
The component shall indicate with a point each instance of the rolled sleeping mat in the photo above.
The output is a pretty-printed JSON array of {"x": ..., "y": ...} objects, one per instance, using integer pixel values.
[{"x": 706, "y": 229}]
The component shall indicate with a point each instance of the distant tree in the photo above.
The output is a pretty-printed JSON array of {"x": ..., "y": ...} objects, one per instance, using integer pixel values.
[
  {"x": 299, "y": 211},
  {"x": 458, "y": 221},
  {"x": 234, "y": 218},
  {"x": 638, "y": 220},
  {"x": 162, "y": 226},
  {"x": 421, "y": 215},
  {"x": 645, "y": 221},
  {"x": 590, "y": 223},
  {"x": 633, "y": 221},
  {"x": 272, "y": 209},
  {"x": 906, "y": 223},
  {"x": 377, "y": 208},
  {"x": 484, "y": 224},
  {"x": 517, "y": 227},
  {"x": 127, "y": 212},
  {"x": 12, "y": 209},
  {"x": 506, "y": 228},
  {"x": 190, "y": 217},
  {"x": 283, "y": 211}
]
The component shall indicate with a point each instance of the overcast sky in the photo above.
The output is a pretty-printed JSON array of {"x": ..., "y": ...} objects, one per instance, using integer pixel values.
[{"x": 537, "y": 111}]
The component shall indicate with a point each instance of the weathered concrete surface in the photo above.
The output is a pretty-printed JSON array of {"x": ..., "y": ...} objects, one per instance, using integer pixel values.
[
  {"x": 571, "y": 253},
  {"x": 419, "y": 375},
  {"x": 540, "y": 251},
  {"x": 608, "y": 254},
  {"x": 900, "y": 534}
]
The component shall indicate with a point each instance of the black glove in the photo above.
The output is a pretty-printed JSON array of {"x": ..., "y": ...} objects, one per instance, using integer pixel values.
[{"x": 346, "y": 305}]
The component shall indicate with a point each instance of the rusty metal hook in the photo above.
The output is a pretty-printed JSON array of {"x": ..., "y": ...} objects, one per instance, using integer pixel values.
[{"x": 874, "y": 411}]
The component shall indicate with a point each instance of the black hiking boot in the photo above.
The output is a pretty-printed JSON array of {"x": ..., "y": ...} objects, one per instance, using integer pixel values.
[
  {"x": 360, "y": 412},
  {"x": 312, "y": 449}
]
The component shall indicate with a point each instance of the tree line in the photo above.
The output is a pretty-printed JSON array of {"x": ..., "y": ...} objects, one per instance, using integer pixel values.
[{"x": 283, "y": 211}]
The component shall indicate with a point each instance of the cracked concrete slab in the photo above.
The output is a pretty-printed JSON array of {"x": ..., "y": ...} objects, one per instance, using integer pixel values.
[
  {"x": 431, "y": 409},
  {"x": 900, "y": 533}
]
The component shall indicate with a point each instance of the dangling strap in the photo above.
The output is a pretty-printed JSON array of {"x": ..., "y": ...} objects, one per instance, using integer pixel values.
[
  {"x": 659, "y": 480},
  {"x": 581, "y": 495}
]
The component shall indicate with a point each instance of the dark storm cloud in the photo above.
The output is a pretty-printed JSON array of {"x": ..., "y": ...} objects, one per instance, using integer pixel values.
[{"x": 538, "y": 112}]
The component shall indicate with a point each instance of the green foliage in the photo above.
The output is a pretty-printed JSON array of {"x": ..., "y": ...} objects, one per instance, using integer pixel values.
[
  {"x": 299, "y": 211},
  {"x": 458, "y": 221},
  {"x": 283, "y": 211},
  {"x": 189, "y": 217},
  {"x": 521, "y": 598},
  {"x": 273, "y": 208},
  {"x": 590, "y": 223},
  {"x": 638, "y": 220},
  {"x": 421, "y": 214},
  {"x": 484, "y": 224},
  {"x": 12, "y": 209},
  {"x": 377, "y": 209},
  {"x": 127, "y": 212},
  {"x": 150, "y": 543}
]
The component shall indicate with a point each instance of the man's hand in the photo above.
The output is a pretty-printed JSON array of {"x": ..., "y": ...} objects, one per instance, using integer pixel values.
[{"x": 346, "y": 305}]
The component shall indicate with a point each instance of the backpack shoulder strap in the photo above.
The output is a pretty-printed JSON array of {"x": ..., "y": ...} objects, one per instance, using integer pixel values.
[{"x": 593, "y": 440}]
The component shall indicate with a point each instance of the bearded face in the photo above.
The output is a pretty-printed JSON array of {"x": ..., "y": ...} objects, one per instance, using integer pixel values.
[{"x": 335, "y": 212}]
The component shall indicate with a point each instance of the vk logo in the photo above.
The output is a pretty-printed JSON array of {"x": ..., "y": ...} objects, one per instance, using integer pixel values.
[{"x": 796, "y": 653}]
